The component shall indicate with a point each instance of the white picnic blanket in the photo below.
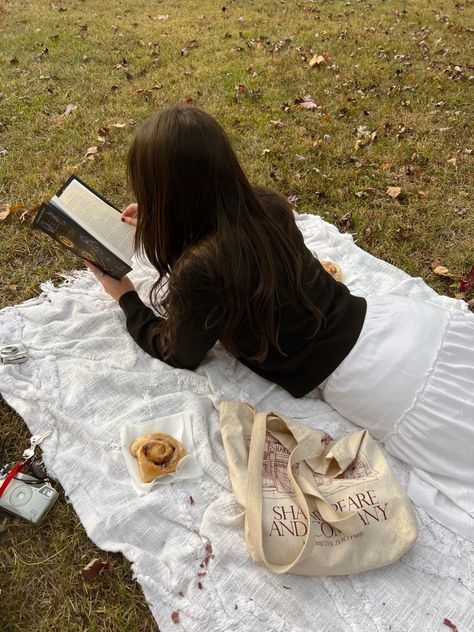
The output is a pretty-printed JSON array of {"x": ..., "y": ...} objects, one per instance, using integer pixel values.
[{"x": 86, "y": 378}]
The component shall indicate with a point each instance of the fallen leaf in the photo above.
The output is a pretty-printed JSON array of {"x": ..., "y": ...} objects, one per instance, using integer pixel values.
[
  {"x": 13, "y": 288},
  {"x": 467, "y": 283},
  {"x": 394, "y": 192},
  {"x": 45, "y": 51},
  {"x": 364, "y": 137},
  {"x": 306, "y": 103},
  {"x": 317, "y": 60},
  {"x": 362, "y": 131},
  {"x": 277, "y": 123},
  {"x": 345, "y": 222},
  {"x": 119, "y": 124},
  {"x": 163, "y": 18},
  {"x": 69, "y": 108},
  {"x": 442, "y": 271},
  {"x": 384, "y": 166},
  {"x": 122, "y": 64},
  {"x": 240, "y": 87},
  {"x": 452, "y": 161},
  {"x": 90, "y": 153},
  {"x": 9, "y": 208},
  {"x": 94, "y": 569},
  {"x": 450, "y": 624},
  {"x": 191, "y": 500},
  {"x": 404, "y": 233},
  {"x": 292, "y": 199},
  {"x": 175, "y": 616}
]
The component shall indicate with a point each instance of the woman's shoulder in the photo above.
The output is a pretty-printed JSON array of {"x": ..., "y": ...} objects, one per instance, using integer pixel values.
[
  {"x": 196, "y": 267},
  {"x": 271, "y": 197},
  {"x": 275, "y": 203}
]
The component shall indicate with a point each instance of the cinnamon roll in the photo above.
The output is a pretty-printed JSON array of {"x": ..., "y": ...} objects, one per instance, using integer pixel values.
[
  {"x": 334, "y": 270},
  {"x": 158, "y": 454}
]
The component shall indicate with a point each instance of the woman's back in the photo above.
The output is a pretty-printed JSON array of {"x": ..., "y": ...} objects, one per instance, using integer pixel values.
[{"x": 201, "y": 300}]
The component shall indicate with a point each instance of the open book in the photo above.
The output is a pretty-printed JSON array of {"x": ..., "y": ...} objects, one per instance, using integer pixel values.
[{"x": 89, "y": 226}]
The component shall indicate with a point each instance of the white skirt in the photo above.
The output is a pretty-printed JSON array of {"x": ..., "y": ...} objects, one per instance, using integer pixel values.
[{"x": 410, "y": 381}]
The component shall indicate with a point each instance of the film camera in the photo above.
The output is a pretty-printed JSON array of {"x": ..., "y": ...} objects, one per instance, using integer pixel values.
[
  {"x": 13, "y": 353},
  {"x": 28, "y": 497}
]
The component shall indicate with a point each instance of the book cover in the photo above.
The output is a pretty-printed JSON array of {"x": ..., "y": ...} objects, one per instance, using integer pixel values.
[{"x": 60, "y": 224}]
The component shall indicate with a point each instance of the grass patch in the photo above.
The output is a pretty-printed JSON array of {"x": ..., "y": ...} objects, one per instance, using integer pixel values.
[{"x": 400, "y": 69}]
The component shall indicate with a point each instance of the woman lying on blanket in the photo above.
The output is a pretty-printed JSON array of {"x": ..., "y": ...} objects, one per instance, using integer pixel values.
[{"x": 239, "y": 272}]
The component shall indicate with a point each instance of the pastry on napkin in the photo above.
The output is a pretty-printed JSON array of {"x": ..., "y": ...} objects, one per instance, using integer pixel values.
[
  {"x": 179, "y": 427},
  {"x": 157, "y": 454}
]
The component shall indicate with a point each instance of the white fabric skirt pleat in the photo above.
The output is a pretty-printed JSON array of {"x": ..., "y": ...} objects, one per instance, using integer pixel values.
[{"x": 410, "y": 381}]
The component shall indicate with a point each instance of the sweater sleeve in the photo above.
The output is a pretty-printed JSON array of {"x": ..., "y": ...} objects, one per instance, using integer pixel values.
[{"x": 189, "y": 345}]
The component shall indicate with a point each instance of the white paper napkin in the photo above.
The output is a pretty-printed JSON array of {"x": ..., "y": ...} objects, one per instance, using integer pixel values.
[{"x": 179, "y": 427}]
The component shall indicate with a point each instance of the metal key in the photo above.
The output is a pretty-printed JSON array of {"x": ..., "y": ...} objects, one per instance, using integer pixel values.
[{"x": 35, "y": 440}]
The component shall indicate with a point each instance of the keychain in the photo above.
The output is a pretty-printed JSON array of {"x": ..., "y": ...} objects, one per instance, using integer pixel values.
[{"x": 26, "y": 461}]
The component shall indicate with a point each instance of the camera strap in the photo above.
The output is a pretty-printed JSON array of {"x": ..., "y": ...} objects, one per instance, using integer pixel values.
[{"x": 11, "y": 474}]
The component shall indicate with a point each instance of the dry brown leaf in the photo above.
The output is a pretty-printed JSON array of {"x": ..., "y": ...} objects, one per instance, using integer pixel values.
[
  {"x": 9, "y": 208},
  {"x": 306, "y": 103},
  {"x": 317, "y": 60},
  {"x": 90, "y": 153},
  {"x": 119, "y": 124},
  {"x": 94, "y": 569},
  {"x": 394, "y": 192},
  {"x": 450, "y": 624},
  {"x": 442, "y": 271},
  {"x": 175, "y": 616}
]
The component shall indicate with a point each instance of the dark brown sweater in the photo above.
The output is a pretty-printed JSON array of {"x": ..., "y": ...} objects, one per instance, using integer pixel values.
[{"x": 307, "y": 359}]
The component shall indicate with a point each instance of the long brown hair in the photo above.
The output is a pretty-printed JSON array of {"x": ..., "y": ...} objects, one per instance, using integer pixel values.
[{"x": 195, "y": 203}]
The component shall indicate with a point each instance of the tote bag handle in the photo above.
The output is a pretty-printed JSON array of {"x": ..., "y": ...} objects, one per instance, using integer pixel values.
[{"x": 348, "y": 521}]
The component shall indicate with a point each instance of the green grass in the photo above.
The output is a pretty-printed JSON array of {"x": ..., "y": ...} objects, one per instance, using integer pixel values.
[{"x": 392, "y": 65}]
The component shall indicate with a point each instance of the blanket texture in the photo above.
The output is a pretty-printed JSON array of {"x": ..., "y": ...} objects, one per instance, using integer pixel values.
[{"x": 86, "y": 378}]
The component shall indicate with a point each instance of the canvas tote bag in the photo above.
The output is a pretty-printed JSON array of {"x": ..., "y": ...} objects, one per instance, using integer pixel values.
[{"x": 313, "y": 506}]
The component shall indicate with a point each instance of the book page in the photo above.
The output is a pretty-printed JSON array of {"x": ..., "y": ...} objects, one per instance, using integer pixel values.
[{"x": 98, "y": 218}]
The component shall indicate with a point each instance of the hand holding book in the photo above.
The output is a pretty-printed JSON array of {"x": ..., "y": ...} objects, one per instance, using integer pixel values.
[
  {"x": 129, "y": 214},
  {"x": 116, "y": 288}
]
